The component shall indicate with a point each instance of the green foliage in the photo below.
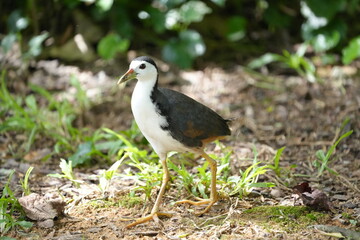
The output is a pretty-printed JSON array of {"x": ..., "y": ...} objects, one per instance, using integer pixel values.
[
  {"x": 188, "y": 12},
  {"x": 25, "y": 183},
  {"x": 35, "y": 45},
  {"x": 67, "y": 170},
  {"x": 17, "y": 23},
  {"x": 149, "y": 173},
  {"x": 276, "y": 167},
  {"x": 184, "y": 49},
  {"x": 248, "y": 179},
  {"x": 106, "y": 177},
  {"x": 185, "y": 177},
  {"x": 352, "y": 51},
  {"x": 297, "y": 61},
  {"x": 54, "y": 121},
  {"x": 323, "y": 158},
  {"x": 165, "y": 26},
  {"x": 242, "y": 185},
  {"x": 236, "y": 28},
  {"x": 111, "y": 44},
  {"x": 8, "y": 206},
  {"x": 25, "y": 115}
]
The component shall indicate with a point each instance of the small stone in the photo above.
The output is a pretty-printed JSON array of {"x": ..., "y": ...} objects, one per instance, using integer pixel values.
[
  {"x": 276, "y": 193},
  {"x": 341, "y": 197},
  {"x": 48, "y": 223},
  {"x": 349, "y": 205}
]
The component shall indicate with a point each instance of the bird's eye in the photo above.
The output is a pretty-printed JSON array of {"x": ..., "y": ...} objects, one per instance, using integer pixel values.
[{"x": 142, "y": 66}]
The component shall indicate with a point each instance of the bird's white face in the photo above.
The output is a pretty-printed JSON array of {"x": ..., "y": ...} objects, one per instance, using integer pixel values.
[{"x": 141, "y": 70}]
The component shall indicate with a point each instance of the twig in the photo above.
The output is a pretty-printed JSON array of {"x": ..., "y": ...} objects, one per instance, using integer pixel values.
[{"x": 343, "y": 180}]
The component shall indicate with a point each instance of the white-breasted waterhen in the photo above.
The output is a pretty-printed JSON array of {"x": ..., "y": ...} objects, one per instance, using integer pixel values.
[{"x": 172, "y": 121}]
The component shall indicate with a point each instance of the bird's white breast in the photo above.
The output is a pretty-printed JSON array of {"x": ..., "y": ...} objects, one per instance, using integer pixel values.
[{"x": 150, "y": 121}]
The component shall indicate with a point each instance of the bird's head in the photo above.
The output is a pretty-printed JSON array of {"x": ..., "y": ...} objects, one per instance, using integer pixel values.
[{"x": 142, "y": 68}]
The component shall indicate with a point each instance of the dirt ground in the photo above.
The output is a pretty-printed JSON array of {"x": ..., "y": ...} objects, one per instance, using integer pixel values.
[{"x": 270, "y": 111}]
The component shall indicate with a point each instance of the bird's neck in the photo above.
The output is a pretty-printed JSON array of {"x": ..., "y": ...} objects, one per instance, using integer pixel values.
[{"x": 145, "y": 87}]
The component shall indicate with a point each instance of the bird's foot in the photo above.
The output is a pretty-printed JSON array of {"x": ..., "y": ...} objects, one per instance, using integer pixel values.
[
  {"x": 152, "y": 216},
  {"x": 199, "y": 202}
]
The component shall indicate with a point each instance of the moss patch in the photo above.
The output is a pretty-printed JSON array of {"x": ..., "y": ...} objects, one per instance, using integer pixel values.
[
  {"x": 129, "y": 202},
  {"x": 287, "y": 218}
]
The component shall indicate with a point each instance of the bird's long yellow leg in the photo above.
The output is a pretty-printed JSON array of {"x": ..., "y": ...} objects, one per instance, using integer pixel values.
[
  {"x": 155, "y": 210},
  {"x": 213, "y": 195}
]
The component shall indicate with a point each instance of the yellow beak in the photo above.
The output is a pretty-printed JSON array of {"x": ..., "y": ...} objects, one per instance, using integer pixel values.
[{"x": 130, "y": 74}]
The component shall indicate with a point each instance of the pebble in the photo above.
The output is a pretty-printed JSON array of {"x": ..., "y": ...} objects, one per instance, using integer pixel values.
[{"x": 276, "y": 193}]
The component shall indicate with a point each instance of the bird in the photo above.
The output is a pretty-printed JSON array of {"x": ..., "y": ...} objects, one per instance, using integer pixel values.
[{"x": 172, "y": 121}]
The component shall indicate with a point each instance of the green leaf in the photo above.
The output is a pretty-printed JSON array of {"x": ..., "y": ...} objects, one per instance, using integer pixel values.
[
  {"x": 104, "y": 5},
  {"x": 31, "y": 103},
  {"x": 264, "y": 60},
  {"x": 276, "y": 18},
  {"x": 112, "y": 44},
  {"x": 325, "y": 8},
  {"x": 35, "y": 45},
  {"x": 56, "y": 175},
  {"x": 8, "y": 41},
  {"x": 16, "y": 22},
  {"x": 325, "y": 41},
  {"x": 25, "y": 224},
  {"x": 236, "y": 28},
  {"x": 184, "y": 49},
  {"x": 7, "y": 238},
  {"x": 82, "y": 154},
  {"x": 351, "y": 51},
  {"x": 320, "y": 155},
  {"x": 156, "y": 19},
  {"x": 66, "y": 168},
  {"x": 220, "y": 3},
  {"x": 202, "y": 188},
  {"x": 193, "y": 11},
  {"x": 262, "y": 184}
]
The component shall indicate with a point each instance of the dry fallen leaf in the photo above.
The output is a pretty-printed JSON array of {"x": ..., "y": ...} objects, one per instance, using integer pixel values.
[
  {"x": 313, "y": 198},
  {"x": 42, "y": 208}
]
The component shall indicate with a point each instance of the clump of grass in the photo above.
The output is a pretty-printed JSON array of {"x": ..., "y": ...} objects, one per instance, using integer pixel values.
[
  {"x": 296, "y": 61},
  {"x": 106, "y": 176},
  {"x": 323, "y": 159},
  {"x": 25, "y": 183},
  {"x": 198, "y": 184},
  {"x": 276, "y": 166},
  {"x": 248, "y": 179},
  {"x": 67, "y": 170},
  {"x": 53, "y": 121},
  {"x": 10, "y": 207}
]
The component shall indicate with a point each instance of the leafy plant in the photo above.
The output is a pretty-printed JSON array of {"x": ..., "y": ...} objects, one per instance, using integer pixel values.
[
  {"x": 67, "y": 170},
  {"x": 323, "y": 158},
  {"x": 106, "y": 176},
  {"x": 149, "y": 173},
  {"x": 248, "y": 179},
  {"x": 351, "y": 51},
  {"x": 25, "y": 115},
  {"x": 8, "y": 206},
  {"x": 184, "y": 49},
  {"x": 198, "y": 184},
  {"x": 297, "y": 61},
  {"x": 112, "y": 44},
  {"x": 25, "y": 183},
  {"x": 185, "y": 177},
  {"x": 276, "y": 166},
  {"x": 17, "y": 23}
]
